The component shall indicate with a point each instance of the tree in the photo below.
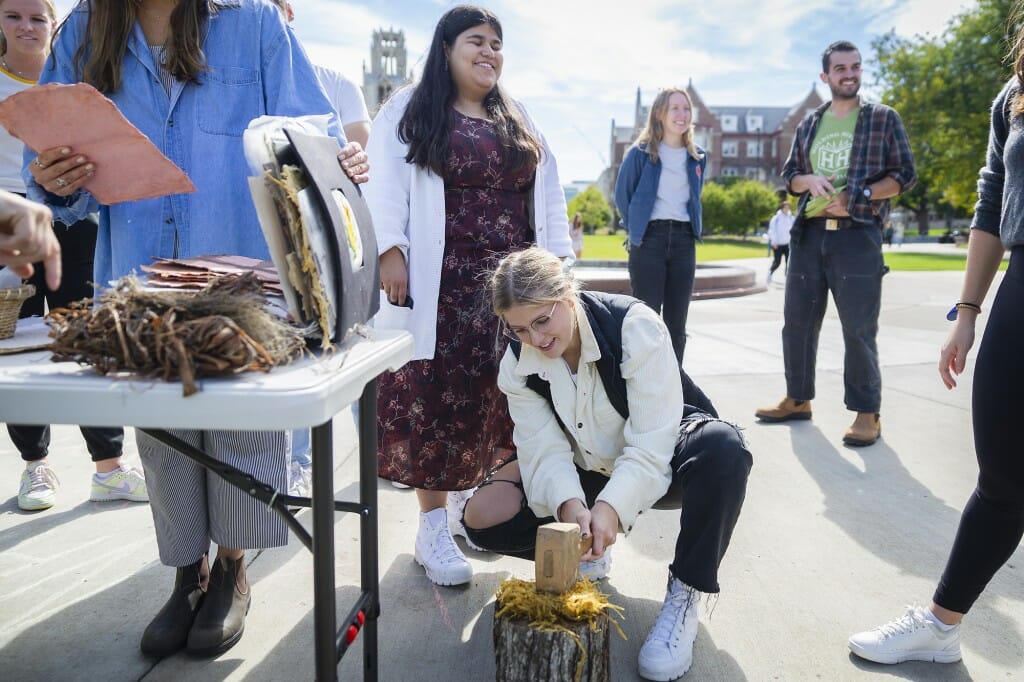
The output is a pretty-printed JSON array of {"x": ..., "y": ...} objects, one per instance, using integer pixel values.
[
  {"x": 942, "y": 88},
  {"x": 752, "y": 202},
  {"x": 593, "y": 208},
  {"x": 715, "y": 206}
]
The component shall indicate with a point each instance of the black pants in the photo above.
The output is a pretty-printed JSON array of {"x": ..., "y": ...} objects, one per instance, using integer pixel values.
[
  {"x": 710, "y": 468},
  {"x": 992, "y": 524},
  {"x": 77, "y": 247},
  {"x": 777, "y": 253},
  {"x": 661, "y": 272}
]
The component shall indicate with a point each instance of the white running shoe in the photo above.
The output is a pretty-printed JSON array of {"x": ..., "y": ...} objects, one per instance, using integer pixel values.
[
  {"x": 437, "y": 552},
  {"x": 912, "y": 637},
  {"x": 456, "y": 507},
  {"x": 300, "y": 478},
  {"x": 598, "y": 568},
  {"x": 39, "y": 486},
  {"x": 123, "y": 483},
  {"x": 668, "y": 651}
]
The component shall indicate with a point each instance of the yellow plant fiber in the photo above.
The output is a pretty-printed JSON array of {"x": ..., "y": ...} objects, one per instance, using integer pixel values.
[{"x": 547, "y": 611}]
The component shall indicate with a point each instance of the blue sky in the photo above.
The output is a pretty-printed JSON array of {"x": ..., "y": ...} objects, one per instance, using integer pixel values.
[{"x": 576, "y": 64}]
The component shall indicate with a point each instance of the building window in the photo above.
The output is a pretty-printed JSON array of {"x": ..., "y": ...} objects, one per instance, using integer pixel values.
[
  {"x": 730, "y": 172},
  {"x": 753, "y": 173},
  {"x": 730, "y": 149},
  {"x": 754, "y": 149},
  {"x": 755, "y": 123},
  {"x": 729, "y": 124}
]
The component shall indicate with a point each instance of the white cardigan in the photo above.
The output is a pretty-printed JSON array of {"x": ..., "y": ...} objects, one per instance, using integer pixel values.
[{"x": 407, "y": 205}]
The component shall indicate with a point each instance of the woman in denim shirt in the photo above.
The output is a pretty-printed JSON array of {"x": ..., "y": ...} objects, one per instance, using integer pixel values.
[
  {"x": 658, "y": 196},
  {"x": 191, "y": 75}
]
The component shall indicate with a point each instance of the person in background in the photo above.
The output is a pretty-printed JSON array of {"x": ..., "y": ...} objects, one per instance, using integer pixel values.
[
  {"x": 26, "y": 28},
  {"x": 992, "y": 523},
  {"x": 462, "y": 178},
  {"x": 657, "y": 194},
  {"x": 576, "y": 235},
  {"x": 778, "y": 237},
  {"x": 191, "y": 75}
]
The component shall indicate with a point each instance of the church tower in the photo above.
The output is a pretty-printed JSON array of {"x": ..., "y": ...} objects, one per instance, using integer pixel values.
[{"x": 387, "y": 70}]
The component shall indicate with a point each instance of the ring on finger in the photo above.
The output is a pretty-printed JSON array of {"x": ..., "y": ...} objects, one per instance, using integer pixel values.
[
  {"x": 61, "y": 182},
  {"x": 38, "y": 164}
]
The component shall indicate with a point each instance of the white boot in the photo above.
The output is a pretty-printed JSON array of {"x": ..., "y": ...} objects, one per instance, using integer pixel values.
[
  {"x": 437, "y": 552},
  {"x": 456, "y": 508},
  {"x": 668, "y": 651}
]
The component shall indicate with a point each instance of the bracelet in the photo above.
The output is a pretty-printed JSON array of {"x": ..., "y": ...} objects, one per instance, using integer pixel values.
[{"x": 952, "y": 314}]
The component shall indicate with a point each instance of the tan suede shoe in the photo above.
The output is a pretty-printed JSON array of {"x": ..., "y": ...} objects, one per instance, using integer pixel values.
[
  {"x": 786, "y": 409},
  {"x": 865, "y": 430}
]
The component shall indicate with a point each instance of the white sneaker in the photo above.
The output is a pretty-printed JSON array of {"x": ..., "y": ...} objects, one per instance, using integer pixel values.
[
  {"x": 300, "y": 479},
  {"x": 123, "y": 483},
  {"x": 456, "y": 507},
  {"x": 912, "y": 637},
  {"x": 597, "y": 569},
  {"x": 437, "y": 552},
  {"x": 38, "y": 488},
  {"x": 400, "y": 486},
  {"x": 668, "y": 651}
]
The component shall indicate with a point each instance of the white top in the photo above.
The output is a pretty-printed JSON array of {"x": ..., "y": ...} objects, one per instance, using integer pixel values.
[
  {"x": 673, "y": 185},
  {"x": 345, "y": 95},
  {"x": 11, "y": 148},
  {"x": 779, "y": 227},
  {"x": 635, "y": 453},
  {"x": 407, "y": 204}
]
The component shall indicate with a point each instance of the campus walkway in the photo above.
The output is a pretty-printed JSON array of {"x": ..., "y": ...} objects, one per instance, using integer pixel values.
[{"x": 831, "y": 540}]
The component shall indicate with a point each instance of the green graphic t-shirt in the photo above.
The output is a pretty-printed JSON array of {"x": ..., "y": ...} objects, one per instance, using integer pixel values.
[{"x": 830, "y": 154}]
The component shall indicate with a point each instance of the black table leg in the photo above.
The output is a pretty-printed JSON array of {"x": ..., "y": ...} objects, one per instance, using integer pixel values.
[
  {"x": 324, "y": 618},
  {"x": 369, "y": 572}
]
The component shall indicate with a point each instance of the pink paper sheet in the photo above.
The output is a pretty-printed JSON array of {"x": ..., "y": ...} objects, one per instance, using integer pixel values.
[{"x": 128, "y": 166}]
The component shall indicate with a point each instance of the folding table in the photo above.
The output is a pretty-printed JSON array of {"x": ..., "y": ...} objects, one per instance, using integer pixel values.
[{"x": 308, "y": 393}]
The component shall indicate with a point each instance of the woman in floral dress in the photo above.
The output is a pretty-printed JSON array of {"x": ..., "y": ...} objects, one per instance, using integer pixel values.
[{"x": 462, "y": 178}]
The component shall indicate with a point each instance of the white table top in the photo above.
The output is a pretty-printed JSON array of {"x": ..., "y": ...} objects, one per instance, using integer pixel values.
[{"x": 33, "y": 389}]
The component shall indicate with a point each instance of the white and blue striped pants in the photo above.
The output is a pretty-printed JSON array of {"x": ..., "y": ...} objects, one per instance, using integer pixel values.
[{"x": 192, "y": 506}]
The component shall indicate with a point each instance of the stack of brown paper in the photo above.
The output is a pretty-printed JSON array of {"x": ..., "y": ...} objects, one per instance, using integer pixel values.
[{"x": 196, "y": 273}]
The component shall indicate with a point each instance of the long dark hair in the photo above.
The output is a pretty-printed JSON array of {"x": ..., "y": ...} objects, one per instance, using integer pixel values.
[
  {"x": 427, "y": 118},
  {"x": 99, "y": 59}
]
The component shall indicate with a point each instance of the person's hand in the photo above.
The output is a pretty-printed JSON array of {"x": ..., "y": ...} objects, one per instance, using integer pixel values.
[
  {"x": 604, "y": 525},
  {"x": 837, "y": 208},
  {"x": 355, "y": 162},
  {"x": 60, "y": 171},
  {"x": 394, "y": 275},
  {"x": 953, "y": 356},
  {"x": 26, "y": 237},
  {"x": 819, "y": 185}
]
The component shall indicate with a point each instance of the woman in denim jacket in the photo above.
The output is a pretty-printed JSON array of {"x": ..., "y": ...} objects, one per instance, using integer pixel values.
[{"x": 658, "y": 196}]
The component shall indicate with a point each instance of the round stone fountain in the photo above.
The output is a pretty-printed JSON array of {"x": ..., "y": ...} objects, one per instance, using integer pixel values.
[{"x": 711, "y": 281}]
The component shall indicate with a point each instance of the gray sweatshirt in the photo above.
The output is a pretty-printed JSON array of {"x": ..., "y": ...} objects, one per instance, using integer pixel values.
[{"x": 1000, "y": 207}]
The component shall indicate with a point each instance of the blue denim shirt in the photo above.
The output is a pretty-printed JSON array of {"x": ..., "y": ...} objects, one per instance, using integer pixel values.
[
  {"x": 637, "y": 187},
  {"x": 255, "y": 67}
]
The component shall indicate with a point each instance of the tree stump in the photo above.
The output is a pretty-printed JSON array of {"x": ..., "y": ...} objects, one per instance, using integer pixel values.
[{"x": 526, "y": 654}]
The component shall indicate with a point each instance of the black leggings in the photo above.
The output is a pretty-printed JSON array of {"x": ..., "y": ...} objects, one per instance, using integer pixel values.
[
  {"x": 710, "y": 469},
  {"x": 992, "y": 524},
  {"x": 777, "y": 253}
]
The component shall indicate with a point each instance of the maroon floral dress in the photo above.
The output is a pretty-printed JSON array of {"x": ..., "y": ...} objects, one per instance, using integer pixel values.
[{"x": 443, "y": 423}]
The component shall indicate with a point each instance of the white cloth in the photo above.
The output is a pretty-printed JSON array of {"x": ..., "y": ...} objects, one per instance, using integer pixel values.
[
  {"x": 11, "y": 148},
  {"x": 779, "y": 227},
  {"x": 635, "y": 453},
  {"x": 671, "y": 200},
  {"x": 407, "y": 204},
  {"x": 345, "y": 95}
]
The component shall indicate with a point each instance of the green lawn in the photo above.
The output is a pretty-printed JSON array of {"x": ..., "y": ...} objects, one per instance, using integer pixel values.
[{"x": 609, "y": 247}]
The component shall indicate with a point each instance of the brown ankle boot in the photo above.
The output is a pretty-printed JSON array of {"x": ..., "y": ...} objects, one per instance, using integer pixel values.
[
  {"x": 221, "y": 620},
  {"x": 865, "y": 430},
  {"x": 786, "y": 409},
  {"x": 168, "y": 632}
]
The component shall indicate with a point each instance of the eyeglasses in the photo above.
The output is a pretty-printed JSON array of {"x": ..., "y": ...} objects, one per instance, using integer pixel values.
[{"x": 541, "y": 325}]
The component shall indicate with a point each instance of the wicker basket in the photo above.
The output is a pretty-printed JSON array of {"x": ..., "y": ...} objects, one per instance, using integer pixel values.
[{"x": 10, "y": 306}]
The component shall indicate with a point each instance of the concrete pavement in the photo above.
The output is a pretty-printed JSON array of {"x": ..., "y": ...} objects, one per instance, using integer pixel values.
[{"x": 831, "y": 540}]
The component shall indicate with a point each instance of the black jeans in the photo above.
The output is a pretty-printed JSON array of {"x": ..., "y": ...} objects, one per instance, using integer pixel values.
[
  {"x": 77, "y": 248},
  {"x": 777, "y": 253},
  {"x": 710, "y": 469},
  {"x": 848, "y": 263},
  {"x": 661, "y": 271},
  {"x": 992, "y": 524}
]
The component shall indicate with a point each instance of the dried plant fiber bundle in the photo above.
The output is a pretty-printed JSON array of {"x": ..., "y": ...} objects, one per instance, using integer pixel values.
[{"x": 221, "y": 330}]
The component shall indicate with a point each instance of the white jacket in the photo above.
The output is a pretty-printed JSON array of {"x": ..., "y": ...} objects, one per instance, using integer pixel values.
[{"x": 407, "y": 205}]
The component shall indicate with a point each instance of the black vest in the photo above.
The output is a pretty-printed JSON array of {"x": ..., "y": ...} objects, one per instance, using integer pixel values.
[{"x": 606, "y": 313}]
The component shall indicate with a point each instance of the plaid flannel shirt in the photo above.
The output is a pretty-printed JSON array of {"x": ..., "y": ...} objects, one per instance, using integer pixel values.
[{"x": 880, "y": 149}]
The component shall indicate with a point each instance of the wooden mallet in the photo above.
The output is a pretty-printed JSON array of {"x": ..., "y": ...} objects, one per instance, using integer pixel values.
[{"x": 559, "y": 548}]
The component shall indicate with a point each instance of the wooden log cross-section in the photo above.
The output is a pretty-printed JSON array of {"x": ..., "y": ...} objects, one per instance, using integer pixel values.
[{"x": 527, "y": 653}]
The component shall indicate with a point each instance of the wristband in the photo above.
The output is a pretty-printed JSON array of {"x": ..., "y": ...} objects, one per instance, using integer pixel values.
[{"x": 952, "y": 314}]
